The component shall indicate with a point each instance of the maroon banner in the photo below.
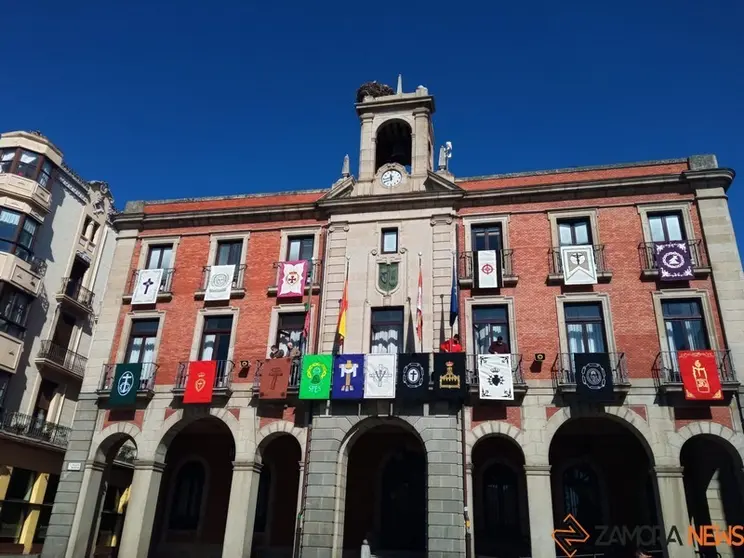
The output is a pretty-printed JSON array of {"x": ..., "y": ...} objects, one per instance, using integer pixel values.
[
  {"x": 699, "y": 371},
  {"x": 200, "y": 381},
  {"x": 274, "y": 378}
]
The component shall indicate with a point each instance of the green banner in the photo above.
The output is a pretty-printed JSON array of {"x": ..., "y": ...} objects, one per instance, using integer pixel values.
[
  {"x": 315, "y": 382},
  {"x": 125, "y": 385}
]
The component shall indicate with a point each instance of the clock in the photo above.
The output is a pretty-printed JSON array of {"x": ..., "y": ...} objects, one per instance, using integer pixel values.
[{"x": 391, "y": 178}]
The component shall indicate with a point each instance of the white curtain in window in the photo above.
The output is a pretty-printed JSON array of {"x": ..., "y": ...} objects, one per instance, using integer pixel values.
[
  {"x": 386, "y": 340},
  {"x": 29, "y": 158},
  {"x": 7, "y": 156},
  {"x": 9, "y": 217},
  {"x": 482, "y": 338}
]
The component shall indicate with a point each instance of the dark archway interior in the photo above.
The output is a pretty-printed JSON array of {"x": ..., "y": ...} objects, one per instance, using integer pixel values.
[
  {"x": 500, "y": 514},
  {"x": 386, "y": 493},
  {"x": 276, "y": 507},
  {"x": 195, "y": 489},
  {"x": 601, "y": 474},
  {"x": 394, "y": 144},
  {"x": 713, "y": 487}
]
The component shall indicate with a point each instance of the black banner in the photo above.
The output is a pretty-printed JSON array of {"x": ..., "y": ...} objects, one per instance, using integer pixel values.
[
  {"x": 450, "y": 379},
  {"x": 593, "y": 374},
  {"x": 413, "y": 377}
]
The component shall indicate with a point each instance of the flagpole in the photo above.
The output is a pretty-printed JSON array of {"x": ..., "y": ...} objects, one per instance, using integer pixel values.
[
  {"x": 345, "y": 310},
  {"x": 419, "y": 292}
]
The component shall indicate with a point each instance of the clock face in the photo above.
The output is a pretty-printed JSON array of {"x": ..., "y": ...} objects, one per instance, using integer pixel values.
[{"x": 391, "y": 178}]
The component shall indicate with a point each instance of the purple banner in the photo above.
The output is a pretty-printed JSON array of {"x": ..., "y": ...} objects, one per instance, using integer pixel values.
[
  {"x": 348, "y": 377},
  {"x": 674, "y": 261}
]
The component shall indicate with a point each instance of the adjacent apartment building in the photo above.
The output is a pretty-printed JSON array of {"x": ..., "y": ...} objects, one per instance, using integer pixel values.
[
  {"x": 56, "y": 245},
  {"x": 285, "y": 370}
]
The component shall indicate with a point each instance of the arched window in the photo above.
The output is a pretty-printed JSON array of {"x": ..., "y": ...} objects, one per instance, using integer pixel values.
[
  {"x": 582, "y": 496},
  {"x": 501, "y": 501},
  {"x": 187, "y": 497}
]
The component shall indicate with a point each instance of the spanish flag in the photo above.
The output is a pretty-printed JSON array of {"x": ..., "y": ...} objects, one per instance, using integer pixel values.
[{"x": 344, "y": 308}]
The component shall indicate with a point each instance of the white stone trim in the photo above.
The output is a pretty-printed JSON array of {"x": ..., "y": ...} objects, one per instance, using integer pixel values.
[
  {"x": 126, "y": 329},
  {"x": 601, "y": 298},
  {"x": 289, "y": 309},
  {"x": 394, "y": 224},
  {"x": 171, "y": 492},
  {"x": 166, "y": 430},
  {"x": 697, "y": 294},
  {"x": 216, "y": 238},
  {"x": 669, "y": 207},
  {"x": 488, "y": 429},
  {"x": 586, "y": 213},
  {"x": 7, "y": 202},
  {"x": 205, "y": 313},
  {"x": 287, "y": 234},
  {"x": 146, "y": 242},
  {"x": 494, "y": 219},
  {"x": 474, "y": 302},
  {"x": 117, "y": 430},
  {"x": 275, "y": 429},
  {"x": 734, "y": 440}
]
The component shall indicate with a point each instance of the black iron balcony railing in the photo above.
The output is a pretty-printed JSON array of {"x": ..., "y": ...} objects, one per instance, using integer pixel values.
[
  {"x": 74, "y": 290},
  {"x": 294, "y": 374},
  {"x": 466, "y": 267},
  {"x": 146, "y": 382},
  {"x": 555, "y": 262},
  {"x": 68, "y": 360},
  {"x": 564, "y": 371},
  {"x": 647, "y": 255},
  {"x": 666, "y": 369},
  {"x": 222, "y": 377},
  {"x": 165, "y": 282},
  {"x": 238, "y": 277},
  {"x": 474, "y": 380},
  {"x": 34, "y": 428},
  {"x": 314, "y": 273}
]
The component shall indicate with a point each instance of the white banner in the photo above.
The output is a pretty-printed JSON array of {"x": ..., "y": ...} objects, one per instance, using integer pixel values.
[
  {"x": 495, "y": 378},
  {"x": 578, "y": 265},
  {"x": 380, "y": 374},
  {"x": 488, "y": 270},
  {"x": 220, "y": 281},
  {"x": 292, "y": 276},
  {"x": 147, "y": 286}
]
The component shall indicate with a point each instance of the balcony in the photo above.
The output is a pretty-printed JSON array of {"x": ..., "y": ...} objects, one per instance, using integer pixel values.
[
  {"x": 314, "y": 277},
  {"x": 466, "y": 269},
  {"x": 27, "y": 189},
  {"x": 222, "y": 378},
  {"x": 165, "y": 292},
  {"x": 669, "y": 381},
  {"x": 555, "y": 265},
  {"x": 238, "y": 285},
  {"x": 145, "y": 389},
  {"x": 17, "y": 425},
  {"x": 62, "y": 360},
  {"x": 294, "y": 376},
  {"x": 520, "y": 386},
  {"x": 564, "y": 373},
  {"x": 650, "y": 269},
  {"x": 20, "y": 269},
  {"x": 75, "y": 297}
]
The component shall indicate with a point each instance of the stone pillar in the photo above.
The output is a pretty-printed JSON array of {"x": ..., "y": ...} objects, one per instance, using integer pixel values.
[
  {"x": 470, "y": 526},
  {"x": 420, "y": 147},
  {"x": 137, "y": 531},
  {"x": 89, "y": 230},
  {"x": 28, "y": 530},
  {"x": 298, "y": 508},
  {"x": 540, "y": 504},
  {"x": 437, "y": 301},
  {"x": 334, "y": 275},
  {"x": 367, "y": 146},
  {"x": 674, "y": 508},
  {"x": 241, "y": 511}
]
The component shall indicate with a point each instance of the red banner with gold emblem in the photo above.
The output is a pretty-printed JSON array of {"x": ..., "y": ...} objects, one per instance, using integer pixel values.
[
  {"x": 200, "y": 381},
  {"x": 699, "y": 371}
]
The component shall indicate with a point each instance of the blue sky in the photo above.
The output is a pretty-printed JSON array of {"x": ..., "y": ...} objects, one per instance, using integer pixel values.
[{"x": 189, "y": 98}]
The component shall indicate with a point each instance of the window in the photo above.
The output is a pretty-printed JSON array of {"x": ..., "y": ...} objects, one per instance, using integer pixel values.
[
  {"x": 574, "y": 232},
  {"x": 289, "y": 329},
  {"x": 485, "y": 237},
  {"x": 14, "y": 508},
  {"x": 684, "y": 325},
  {"x": 6, "y": 160},
  {"x": 585, "y": 328},
  {"x": 14, "y": 307},
  {"x": 43, "y": 402},
  {"x": 45, "y": 173},
  {"x": 229, "y": 252},
  {"x": 45, "y": 513},
  {"x": 489, "y": 323},
  {"x": 160, "y": 257},
  {"x": 4, "y": 382},
  {"x": 187, "y": 497},
  {"x": 582, "y": 495},
  {"x": 389, "y": 241},
  {"x": 300, "y": 248},
  {"x": 387, "y": 330},
  {"x": 28, "y": 163},
  {"x": 215, "y": 341},
  {"x": 141, "y": 346},
  {"x": 501, "y": 501},
  {"x": 666, "y": 227},
  {"x": 17, "y": 231}
]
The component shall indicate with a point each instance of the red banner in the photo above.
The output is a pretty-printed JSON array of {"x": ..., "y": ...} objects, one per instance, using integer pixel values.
[
  {"x": 200, "y": 381},
  {"x": 275, "y": 378},
  {"x": 699, "y": 371}
]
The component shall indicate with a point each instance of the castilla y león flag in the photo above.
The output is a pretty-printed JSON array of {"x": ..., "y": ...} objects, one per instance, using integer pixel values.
[
  {"x": 699, "y": 371},
  {"x": 200, "y": 381}
]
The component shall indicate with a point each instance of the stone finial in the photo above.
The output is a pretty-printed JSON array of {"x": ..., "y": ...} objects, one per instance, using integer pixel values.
[
  {"x": 345, "y": 171},
  {"x": 399, "y": 90}
]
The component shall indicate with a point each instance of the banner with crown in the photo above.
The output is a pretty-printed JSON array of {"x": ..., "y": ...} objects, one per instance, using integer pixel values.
[
  {"x": 348, "y": 377},
  {"x": 699, "y": 371},
  {"x": 413, "y": 377},
  {"x": 449, "y": 376}
]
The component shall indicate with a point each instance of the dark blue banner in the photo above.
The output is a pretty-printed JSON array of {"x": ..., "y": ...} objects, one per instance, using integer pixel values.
[{"x": 348, "y": 377}]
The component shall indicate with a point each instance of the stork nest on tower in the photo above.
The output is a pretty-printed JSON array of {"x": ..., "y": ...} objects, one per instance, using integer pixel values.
[{"x": 373, "y": 89}]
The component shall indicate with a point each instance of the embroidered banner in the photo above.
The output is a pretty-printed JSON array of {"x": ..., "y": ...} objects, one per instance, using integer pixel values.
[
  {"x": 220, "y": 282},
  {"x": 348, "y": 377},
  {"x": 593, "y": 372},
  {"x": 495, "y": 377},
  {"x": 125, "y": 385},
  {"x": 449, "y": 376},
  {"x": 147, "y": 286},
  {"x": 487, "y": 262},
  {"x": 274, "y": 380},
  {"x": 200, "y": 381},
  {"x": 699, "y": 371},
  {"x": 292, "y": 279},
  {"x": 413, "y": 377},
  {"x": 315, "y": 382},
  {"x": 578, "y": 265},
  {"x": 674, "y": 261},
  {"x": 379, "y": 376}
]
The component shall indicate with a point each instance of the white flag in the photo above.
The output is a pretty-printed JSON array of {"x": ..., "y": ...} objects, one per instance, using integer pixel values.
[
  {"x": 379, "y": 376},
  {"x": 220, "y": 282},
  {"x": 578, "y": 265},
  {"x": 292, "y": 278},
  {"x": 495, "y": 378},
  {"x": 488, "y": 275},
  {"x": 147, "y": 286}
]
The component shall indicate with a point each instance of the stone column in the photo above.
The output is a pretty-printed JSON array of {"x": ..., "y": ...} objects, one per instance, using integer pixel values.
[
  {"x": 540, "y": 504},
  {"x": 470, "y": 526},
  {"x": 367, "y": 147},
  {"x": 298, "y": 508},
  {"x": 86, "y": 514},
  {"x": 674, "y": 508},
  {"x": 420, "y": 147},
  {"x": 241, "y": 511},
  {"x": 137, "y": 531}
]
